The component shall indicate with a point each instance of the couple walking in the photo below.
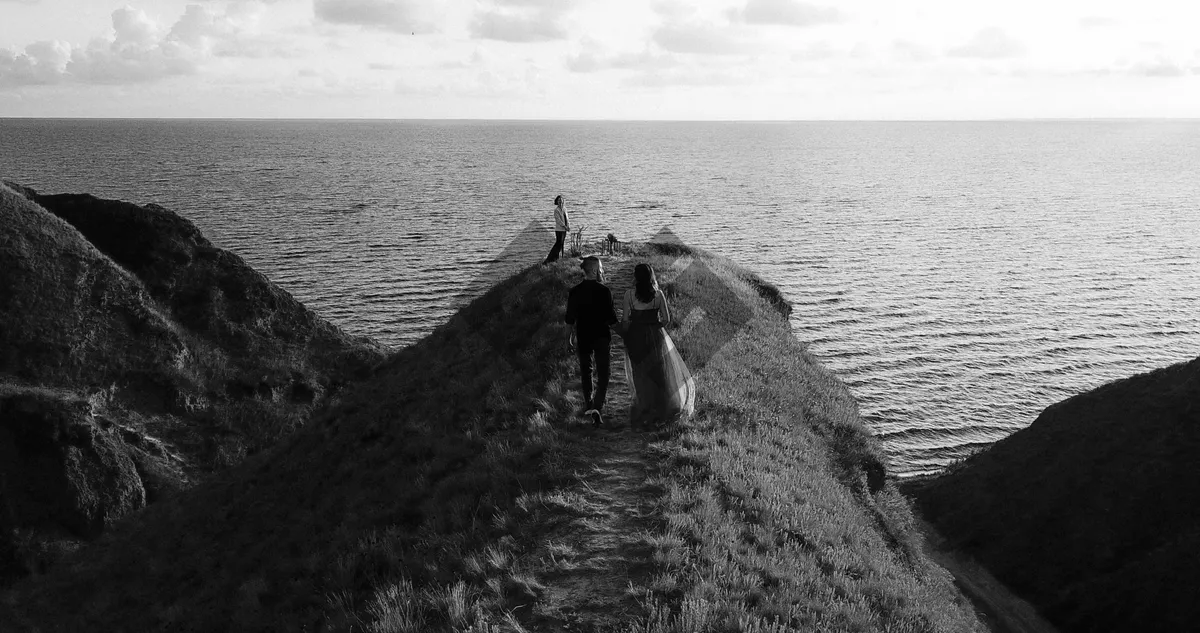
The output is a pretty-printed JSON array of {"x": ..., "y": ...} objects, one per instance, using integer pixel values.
[{"x": 661, "y": 388}]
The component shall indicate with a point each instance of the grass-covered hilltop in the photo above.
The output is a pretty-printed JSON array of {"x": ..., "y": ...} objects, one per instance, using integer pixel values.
[
  {"x": 135, "y": 359},
  {"x": 1093, "y": 512},
  {"x": 455, "y": 488}
]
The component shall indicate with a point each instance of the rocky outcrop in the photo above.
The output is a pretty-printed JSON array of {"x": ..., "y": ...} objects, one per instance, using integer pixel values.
[
  {"x": 60, "y": 467},
  {"x": 136, "y": 356}
]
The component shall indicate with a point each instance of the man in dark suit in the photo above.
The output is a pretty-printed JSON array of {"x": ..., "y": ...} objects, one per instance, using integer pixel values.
[{"x": 590, "y": 310}]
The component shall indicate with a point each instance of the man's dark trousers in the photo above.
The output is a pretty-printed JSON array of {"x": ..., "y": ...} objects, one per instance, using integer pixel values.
[{"x": 599, "y": 347}]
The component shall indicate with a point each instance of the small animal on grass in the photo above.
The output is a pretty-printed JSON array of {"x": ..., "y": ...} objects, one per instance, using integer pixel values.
[{"x": 614, "y": 245}]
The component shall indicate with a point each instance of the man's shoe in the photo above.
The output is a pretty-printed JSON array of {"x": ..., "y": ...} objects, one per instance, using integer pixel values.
[{"x": 597, "y": 419}]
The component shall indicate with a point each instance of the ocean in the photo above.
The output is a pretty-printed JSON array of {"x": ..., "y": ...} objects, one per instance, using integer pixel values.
[{"x": 958, "y": 276}]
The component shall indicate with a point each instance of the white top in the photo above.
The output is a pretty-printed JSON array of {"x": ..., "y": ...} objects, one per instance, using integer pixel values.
[
  {"x": 659, "y": 301},
  {"x": 561, "y": 221}
]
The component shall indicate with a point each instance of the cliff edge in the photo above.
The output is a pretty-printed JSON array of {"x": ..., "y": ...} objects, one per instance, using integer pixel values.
[
  {"x": 1093, "y": 511},
  {"x": 136, "y": 357},
  {"x": 459, "y": 489}
]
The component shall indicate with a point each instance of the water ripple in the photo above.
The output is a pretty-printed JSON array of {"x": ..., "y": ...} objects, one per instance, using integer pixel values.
[{"x": 959, "y": 277}]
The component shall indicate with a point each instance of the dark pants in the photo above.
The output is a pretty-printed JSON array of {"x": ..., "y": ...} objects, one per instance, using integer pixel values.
[
  {"x": 559, "y": 236},
  {"x": 599, "y": 347}
]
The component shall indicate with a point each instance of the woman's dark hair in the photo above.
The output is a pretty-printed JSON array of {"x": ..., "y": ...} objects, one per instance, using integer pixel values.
[
  {"x": 644, "y": 283},
  {"x": 557, "y": 200}
]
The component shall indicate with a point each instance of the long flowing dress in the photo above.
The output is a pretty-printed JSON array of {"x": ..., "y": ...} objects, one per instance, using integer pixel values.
[{"x": 661, "y": 387}]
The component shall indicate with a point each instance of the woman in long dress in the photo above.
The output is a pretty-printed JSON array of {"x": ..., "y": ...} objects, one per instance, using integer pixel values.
[{"x": 661, "y": 386}]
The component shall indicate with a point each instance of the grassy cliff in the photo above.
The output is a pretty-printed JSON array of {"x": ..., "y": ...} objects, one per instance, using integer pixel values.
[
  {"x": 458, "y": 490},
  {"x": 1093, "y": 511},
  {"x": 136, "y": 357}
]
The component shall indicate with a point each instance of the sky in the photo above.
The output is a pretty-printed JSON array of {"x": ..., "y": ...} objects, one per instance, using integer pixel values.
[{"x": 600, "y": 59}]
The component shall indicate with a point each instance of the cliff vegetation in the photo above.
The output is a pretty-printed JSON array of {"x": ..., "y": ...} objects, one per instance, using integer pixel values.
[
  {"x": 1092, "y": 512},
  {"x": 456, "y": 488},
  {"x": 136, "y": 358}
]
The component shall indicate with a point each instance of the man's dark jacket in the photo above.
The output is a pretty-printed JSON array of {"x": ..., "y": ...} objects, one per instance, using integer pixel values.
[{"x": 590, "y": 310}]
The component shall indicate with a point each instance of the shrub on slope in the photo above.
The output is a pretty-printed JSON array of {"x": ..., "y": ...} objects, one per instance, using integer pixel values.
[{"x": 1093, "y": 511}]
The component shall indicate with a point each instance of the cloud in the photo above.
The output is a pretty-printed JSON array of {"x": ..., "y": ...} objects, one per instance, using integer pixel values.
[
  {"x": 41, "y": 63},
  {"x": 522, "y": 21},
  {"x": 198, "y": 23},
  {"x": 220, "y": 35},
  {"x": 399, "y": 16},
  {"x": 817, "y": 51},
  {"x": 688, "y": 78},
  {"x": 593, "y": 61},
  {"x": 478, "y": 59},
  {"x": 133, "y": 28},
  {"x": 698, "y": 39},
  {"x": 1096, "y": 21},
  {"x": 139, "y": 51},
  {"x": 507, "y": 27},
  {"x": 673, "y": 9},
  {"x": 1160, "y": 68},
  {"x": 552, "y": 6},
  {"x": 904, "y": 50},
  {"x": 786, "y": 13},
  {"x": 989, "y": 43}
]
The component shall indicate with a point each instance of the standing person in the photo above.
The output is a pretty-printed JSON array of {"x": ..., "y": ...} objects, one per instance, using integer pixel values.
[
  {"x": 590, "y": 310},
  {"x": 661, "y": 386},
  {"x": 562, "y": 224}
]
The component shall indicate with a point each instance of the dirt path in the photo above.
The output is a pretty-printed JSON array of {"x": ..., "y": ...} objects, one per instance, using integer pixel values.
[
  {"x": 589, "y": 562},
  {"x": 595, "y": 560}
]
